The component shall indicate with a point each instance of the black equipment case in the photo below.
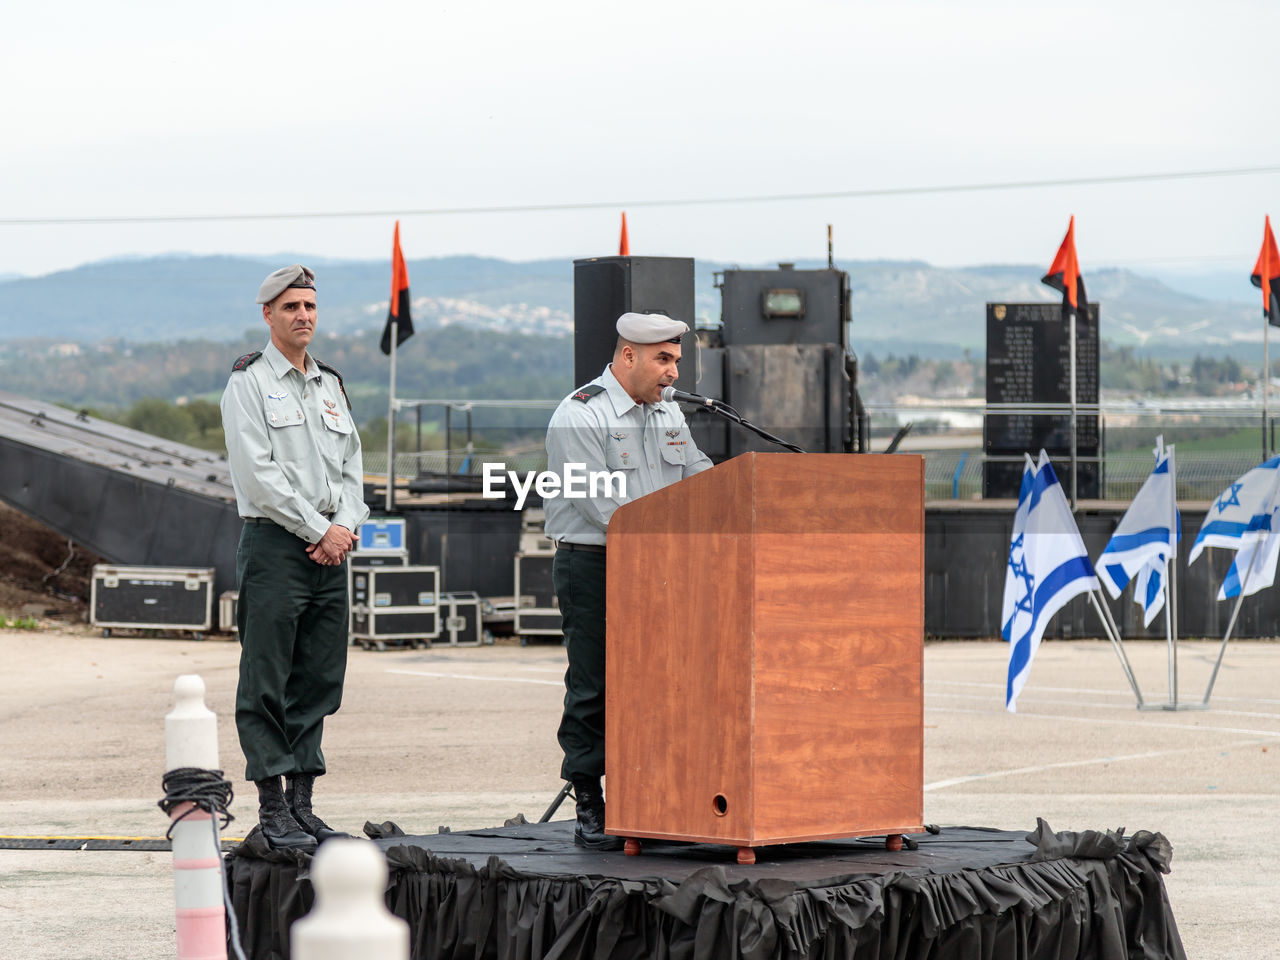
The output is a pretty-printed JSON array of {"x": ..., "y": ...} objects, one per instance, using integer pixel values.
[
  {"x": 394, "y": 603},
  {"x": 151, "y": 598},
  {"x": 537, "y": 611}
]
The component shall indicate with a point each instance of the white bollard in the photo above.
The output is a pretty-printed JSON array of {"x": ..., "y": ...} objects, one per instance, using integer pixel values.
[
  {"x": 350, "y": 919},
  {"x": 191, "y": 740}
]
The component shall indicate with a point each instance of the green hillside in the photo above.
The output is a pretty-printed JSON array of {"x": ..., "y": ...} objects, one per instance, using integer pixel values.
[{"x": 939, "y": 310}]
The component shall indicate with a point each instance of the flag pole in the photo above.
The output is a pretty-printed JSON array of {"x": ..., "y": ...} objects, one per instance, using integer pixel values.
[
  {"x": 1172, "y": 646},
  {"x": 1171, "y": 576},
  {"x": 1266, "y": 381},
  {"x": 1253, "y": 560},
  {"x": 399, "y": 327},
  {"x": 1072, "y": 335},
  {"x": 1064, "y": 275},
  {"x": 1213, "y": 677},
  {"x": 391, "y": 423},
  {"x": 1113, "y": 634},
  {"x": 1171, "y": 635}
]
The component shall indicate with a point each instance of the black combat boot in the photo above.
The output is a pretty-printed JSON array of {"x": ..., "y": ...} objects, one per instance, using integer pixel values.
[
  {"x": 298, "y": 795},
  {"x": 589, "y": 830},
  {"x": 278, "y": 825}
]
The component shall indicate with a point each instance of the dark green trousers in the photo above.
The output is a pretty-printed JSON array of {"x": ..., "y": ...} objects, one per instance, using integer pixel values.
[
  {"x": 579, "y": 579},
  {"x": 292, "y": 616}
]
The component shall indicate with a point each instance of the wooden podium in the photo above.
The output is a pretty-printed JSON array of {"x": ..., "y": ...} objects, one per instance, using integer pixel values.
[{"x": 765, "y": 653}]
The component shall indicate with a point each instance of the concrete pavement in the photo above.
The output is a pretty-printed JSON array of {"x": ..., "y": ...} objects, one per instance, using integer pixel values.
[{"x": 466, "y": 738}]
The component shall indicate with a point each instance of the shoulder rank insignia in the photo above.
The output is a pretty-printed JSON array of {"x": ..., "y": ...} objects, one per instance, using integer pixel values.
[
  {"x": 244, "y": 361},
  {"x": 586, "y": 393},
  {"x": 334, "y": 370}
]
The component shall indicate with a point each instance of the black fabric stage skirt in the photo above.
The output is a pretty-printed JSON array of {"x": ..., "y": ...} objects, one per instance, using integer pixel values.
[{"x": 527, "y": 892}]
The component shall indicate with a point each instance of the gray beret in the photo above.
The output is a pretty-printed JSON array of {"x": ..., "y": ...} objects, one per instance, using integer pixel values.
[
  {"x": 650, "y": 328},
  {"x": 284, "y": 278}
]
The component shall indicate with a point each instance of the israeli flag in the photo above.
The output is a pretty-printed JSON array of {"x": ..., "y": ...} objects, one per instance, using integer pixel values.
[
  {"x": 1244, "y": 518},
  {"x": 1255, "y": 565},
  {"x": 1146, "y": 539},
  {"x": 1051, "y": 568},
  {"x": 1237, "y": 509},
  {"x": 1148, "y": 589},
  {"x": 1015, "y": 612}
]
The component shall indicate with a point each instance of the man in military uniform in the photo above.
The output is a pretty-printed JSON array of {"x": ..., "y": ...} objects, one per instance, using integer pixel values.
[
  {"x": 617, "y": 422},
  {"x": 294, "y": 454}
]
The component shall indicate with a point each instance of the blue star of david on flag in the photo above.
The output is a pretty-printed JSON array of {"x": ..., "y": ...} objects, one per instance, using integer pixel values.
[
  {"x": 1018, "y": 569},
  {"x": 1018, "y": 585},
  {"x": 1229, "y": 497},
  {"x": 1243, "y": 508},
  {"x": 1047, "y": 566}
]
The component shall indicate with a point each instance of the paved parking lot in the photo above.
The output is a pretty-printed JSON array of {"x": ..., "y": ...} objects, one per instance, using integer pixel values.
[{"x": 466, "y": 738}]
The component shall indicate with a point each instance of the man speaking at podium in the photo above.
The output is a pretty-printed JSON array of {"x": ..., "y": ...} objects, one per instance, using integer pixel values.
[{"x": 616, "y": 423}]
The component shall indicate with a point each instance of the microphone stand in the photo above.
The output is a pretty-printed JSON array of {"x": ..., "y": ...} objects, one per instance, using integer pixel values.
[{"x": 733, "y": 416}]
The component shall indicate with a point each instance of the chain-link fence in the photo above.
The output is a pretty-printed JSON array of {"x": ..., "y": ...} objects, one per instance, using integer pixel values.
[
  {"x": 951, "y": 475},
  {"x": 456, "y": 462},
  {"x": 1216, "y": 440}
]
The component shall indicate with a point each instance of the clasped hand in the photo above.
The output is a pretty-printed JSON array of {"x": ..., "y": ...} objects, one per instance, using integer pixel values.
[{"x": 331, "y": 549}]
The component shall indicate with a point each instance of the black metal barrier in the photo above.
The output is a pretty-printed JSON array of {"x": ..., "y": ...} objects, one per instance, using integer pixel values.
[{"x": 966, "y": 554}]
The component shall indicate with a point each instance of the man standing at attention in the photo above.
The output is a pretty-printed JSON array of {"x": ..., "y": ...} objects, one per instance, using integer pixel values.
[
  {"x": 617, "y": 422},
  {"x": 294, "y": 455}
]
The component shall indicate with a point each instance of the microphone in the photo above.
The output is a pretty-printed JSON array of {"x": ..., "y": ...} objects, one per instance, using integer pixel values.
[
  {"x": 671, "y": 393},
  {"x": 722, "y": 409}
]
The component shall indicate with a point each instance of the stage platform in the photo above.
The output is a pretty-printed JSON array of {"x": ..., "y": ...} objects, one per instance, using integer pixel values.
[{"x": 527, "y": 892}]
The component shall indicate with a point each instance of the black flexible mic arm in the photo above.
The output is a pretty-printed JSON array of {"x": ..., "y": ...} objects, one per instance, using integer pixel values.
[{"x": 710, "y": 405}]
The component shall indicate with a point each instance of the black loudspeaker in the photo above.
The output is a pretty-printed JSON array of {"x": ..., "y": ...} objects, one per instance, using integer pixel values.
[
  {"x": 785, "y": 306},
  {"x": 604, "y": 288}
]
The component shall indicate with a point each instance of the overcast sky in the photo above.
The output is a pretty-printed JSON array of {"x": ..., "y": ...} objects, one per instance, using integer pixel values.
[{"x": 141, "y": 109}]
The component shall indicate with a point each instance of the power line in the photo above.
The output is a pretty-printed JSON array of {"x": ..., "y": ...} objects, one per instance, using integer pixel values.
[{"x": 629, "y": 204}]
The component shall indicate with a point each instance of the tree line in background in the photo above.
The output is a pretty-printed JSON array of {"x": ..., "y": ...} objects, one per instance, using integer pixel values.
[
  {"x": 198, "y": 423},
  {"x": 1122, "y": 371},
  {"x": 454, "y": 361},
  {"x": 171, "y": 390},
  {"x": 1203, "y": 376}
]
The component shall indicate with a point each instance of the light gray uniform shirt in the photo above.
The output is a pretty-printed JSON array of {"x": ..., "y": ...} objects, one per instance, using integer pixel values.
[
  {"x": 293, "y": 449},
  {"x": 649, "y": 443}
]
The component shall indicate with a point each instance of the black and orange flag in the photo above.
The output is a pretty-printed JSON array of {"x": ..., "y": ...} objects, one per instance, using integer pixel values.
[
  {"x": 398, "y": 316},
  {"x": 1266, "y": 274},
  {"x": 624, "y": 245},
  {"x": 1064, "y": 274}
]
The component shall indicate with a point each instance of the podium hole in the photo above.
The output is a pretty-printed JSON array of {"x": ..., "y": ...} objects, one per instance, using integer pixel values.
[{"x": 720, "y": 805}]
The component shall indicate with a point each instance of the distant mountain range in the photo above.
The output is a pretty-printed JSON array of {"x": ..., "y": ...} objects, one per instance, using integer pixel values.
[
  {"x": 1208, "y": 284},
  {"x": 897, "y": 305}
]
